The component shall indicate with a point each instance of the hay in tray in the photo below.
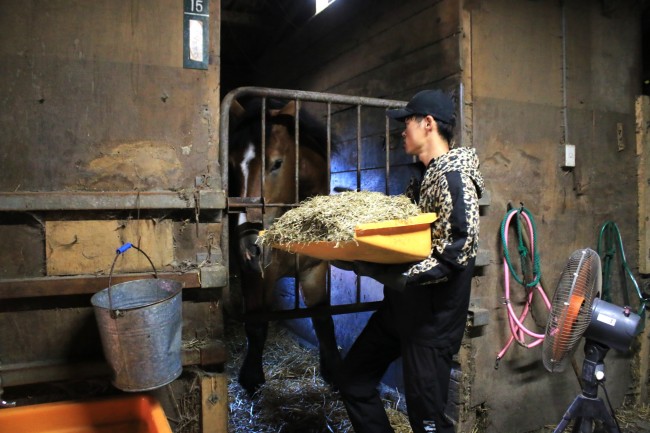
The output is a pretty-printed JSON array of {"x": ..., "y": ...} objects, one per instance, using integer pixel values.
[{"x": 332, "y": 218}]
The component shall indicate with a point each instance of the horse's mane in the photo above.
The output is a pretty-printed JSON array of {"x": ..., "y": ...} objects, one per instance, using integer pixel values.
[{"x": 309, "y": 125}]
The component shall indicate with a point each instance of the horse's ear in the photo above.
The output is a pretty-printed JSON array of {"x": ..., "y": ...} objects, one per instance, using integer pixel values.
[
  {"x": 289, "y": 109},
  {"x": 236, "y": 109}
]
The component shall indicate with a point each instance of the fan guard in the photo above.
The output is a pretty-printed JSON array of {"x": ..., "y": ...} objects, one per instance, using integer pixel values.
[{"x": 570, "y": 316}]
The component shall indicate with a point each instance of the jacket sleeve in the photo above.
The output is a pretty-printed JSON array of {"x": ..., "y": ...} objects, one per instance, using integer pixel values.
[{"x": 455, "y": 231}]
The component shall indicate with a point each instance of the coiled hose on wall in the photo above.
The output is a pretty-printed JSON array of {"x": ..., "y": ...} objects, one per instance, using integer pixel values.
[
  {"x": 609, "y": 241},
  {"x": 528, "y": 256}
]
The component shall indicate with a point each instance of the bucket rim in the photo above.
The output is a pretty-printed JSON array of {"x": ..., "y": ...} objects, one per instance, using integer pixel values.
[{"x": 177, "y": 291}]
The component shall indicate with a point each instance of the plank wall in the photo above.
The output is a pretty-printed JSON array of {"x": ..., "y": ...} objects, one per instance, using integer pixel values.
[
  {"x": 504, "y": 62},
  {"x": 94, "y": 99}
]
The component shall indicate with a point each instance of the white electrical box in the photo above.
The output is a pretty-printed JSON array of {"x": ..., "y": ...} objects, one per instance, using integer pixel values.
[{"x": 569, "y": 155}]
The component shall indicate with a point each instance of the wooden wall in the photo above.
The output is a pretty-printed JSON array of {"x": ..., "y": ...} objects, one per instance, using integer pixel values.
[
  {"x": 90, "y": 86},
  {"x": 94, "y": 100},
  {"x": 359, "y": 47},
  {"x": 370, "y": 49},
  {"x": 503, "y": 59},
  {"x": 518, "y": 128}
]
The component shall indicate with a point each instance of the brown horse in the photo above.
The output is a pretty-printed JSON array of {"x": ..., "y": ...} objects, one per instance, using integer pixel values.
[{"x": 261, "y": 269}]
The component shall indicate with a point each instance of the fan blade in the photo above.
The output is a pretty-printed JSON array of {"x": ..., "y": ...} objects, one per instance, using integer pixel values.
[{"x": 566, "y": 326}]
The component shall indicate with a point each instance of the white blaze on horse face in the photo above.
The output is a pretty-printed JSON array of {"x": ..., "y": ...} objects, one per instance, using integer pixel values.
[{"x": 249, "y": 155}]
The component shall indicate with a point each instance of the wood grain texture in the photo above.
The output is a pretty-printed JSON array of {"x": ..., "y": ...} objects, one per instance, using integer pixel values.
[{"x": 86, "y": 247}]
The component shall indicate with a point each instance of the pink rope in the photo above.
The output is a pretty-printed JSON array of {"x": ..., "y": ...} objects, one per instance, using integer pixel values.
[{"x": 516, "y": 323}]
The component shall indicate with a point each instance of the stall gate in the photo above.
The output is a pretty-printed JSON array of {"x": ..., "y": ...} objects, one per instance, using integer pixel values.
[{"x": 238, "y": 204}]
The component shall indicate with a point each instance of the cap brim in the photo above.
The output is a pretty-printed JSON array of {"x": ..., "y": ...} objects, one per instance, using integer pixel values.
[{"x": 398, "y": 114}]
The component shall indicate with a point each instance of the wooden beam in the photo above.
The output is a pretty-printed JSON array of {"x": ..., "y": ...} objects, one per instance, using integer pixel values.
[
  {"x": 212, "y": 353},
  {"x": 214, "y": 403},
  {"x": 466, "y": 108},
  {"x": 82, "y": 284},
  {"x": 29, "y": 373},
  {"x": 644, "y": 367},
  {"x": 109, "y": 200},
  {"x": 50, "y": 371},
  {"x": 642, "y": 108}
]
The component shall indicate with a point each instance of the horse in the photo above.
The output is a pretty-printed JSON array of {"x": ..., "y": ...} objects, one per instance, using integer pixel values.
[{"x": 262, "y": 268}]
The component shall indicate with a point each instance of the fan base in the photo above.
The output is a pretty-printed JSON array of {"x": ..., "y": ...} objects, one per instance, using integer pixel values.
[
  {"x": 584, "y": 410},
  {"x": 587, "y": 406}
]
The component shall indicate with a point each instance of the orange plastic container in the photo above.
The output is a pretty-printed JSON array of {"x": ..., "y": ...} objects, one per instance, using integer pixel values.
[
  {"x": 132, "y": 414},
  {"x": 393, "y": 241}
]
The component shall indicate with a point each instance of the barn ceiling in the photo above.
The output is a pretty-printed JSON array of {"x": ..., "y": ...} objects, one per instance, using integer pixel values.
[{"x": 249, "y": 28}]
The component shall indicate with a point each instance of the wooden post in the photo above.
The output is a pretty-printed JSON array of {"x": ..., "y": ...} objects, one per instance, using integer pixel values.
[
  {"x": 642, "y": 108},
  {"x": 644, "y": 368},
  {"x": 214, "y": 386},
  {"x": 214, "y": 403},
  {"x": 466, "y": 100}
]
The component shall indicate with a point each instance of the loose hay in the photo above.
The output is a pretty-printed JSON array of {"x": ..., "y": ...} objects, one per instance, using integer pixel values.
[
  {"x": 189, "y": 408},
  {"x": 294, "y": 397},
  {"x": 635, "y": 418},
  {"x": 333, "y": 218}
]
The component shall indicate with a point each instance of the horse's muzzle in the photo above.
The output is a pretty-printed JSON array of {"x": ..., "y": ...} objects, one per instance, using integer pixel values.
[{"x": 249, "y": 252}]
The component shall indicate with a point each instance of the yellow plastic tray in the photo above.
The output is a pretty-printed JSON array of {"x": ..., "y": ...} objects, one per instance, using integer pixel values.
[
  {"x": 132, "y": 414},
  {"x": 393, "y": 241}
]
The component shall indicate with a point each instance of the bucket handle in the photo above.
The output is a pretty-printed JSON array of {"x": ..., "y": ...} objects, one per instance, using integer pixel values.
[{"x": 121, "y": 250}]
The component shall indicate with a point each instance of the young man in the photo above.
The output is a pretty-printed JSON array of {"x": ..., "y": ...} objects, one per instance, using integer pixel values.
[{"x": 423, "y": 314}]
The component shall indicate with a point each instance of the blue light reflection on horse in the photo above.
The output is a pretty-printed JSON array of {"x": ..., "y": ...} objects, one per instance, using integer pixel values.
[{"x": 261, "y": 269}]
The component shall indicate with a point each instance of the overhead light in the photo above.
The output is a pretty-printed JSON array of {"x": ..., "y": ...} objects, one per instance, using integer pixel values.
[{"x": 322, "y": 4}]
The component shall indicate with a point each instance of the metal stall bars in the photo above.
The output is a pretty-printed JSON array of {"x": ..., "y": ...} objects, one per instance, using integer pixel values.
[{"x": 238, "y": 204}]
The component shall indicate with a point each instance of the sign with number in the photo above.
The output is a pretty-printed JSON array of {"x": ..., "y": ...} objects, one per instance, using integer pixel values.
[{"x": 196, "y": 45}]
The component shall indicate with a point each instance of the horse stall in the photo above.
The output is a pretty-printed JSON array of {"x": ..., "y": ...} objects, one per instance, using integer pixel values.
[
  {"x": 143, "y": 123},
  {"x": 550, "y": 105}
]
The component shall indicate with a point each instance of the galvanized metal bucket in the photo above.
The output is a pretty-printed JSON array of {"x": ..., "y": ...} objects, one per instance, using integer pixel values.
[{"x": 140, "y": 328}]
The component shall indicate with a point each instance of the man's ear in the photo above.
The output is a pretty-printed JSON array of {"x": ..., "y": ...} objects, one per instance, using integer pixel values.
[{"x": 430, "y": 123}]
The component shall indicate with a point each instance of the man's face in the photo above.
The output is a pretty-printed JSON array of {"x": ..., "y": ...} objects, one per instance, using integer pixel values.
[{"x": 414, "y": 135}]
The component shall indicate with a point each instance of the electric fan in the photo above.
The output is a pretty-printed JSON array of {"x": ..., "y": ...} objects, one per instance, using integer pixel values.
[{"x": 576, "y": 312}]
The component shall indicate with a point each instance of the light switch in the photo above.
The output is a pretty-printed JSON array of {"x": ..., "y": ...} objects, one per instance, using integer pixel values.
[{"x": 569, "y": 155}]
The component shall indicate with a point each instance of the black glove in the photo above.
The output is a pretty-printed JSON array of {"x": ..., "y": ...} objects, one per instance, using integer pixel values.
[{"x": 391, "y": 276}]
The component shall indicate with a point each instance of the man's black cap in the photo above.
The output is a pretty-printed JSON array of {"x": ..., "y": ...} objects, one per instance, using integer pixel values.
[{"x": 427, "y": 102}]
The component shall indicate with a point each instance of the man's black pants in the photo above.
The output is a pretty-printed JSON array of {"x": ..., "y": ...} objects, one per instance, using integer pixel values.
[{"x": 426, "y": 380}]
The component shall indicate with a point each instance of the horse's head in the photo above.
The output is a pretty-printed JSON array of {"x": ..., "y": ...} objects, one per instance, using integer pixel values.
[{"x": 279, "y": 174}]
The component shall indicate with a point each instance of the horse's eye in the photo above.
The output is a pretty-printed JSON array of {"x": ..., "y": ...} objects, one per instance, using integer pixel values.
[{"x": 276, "y": 165}]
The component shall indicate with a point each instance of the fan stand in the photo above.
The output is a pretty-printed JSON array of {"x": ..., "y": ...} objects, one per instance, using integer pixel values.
[{"x": 587, "y": 406}]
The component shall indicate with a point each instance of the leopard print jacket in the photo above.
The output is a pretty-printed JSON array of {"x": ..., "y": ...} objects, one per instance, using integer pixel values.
[{"x": 450, "y": 187}]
